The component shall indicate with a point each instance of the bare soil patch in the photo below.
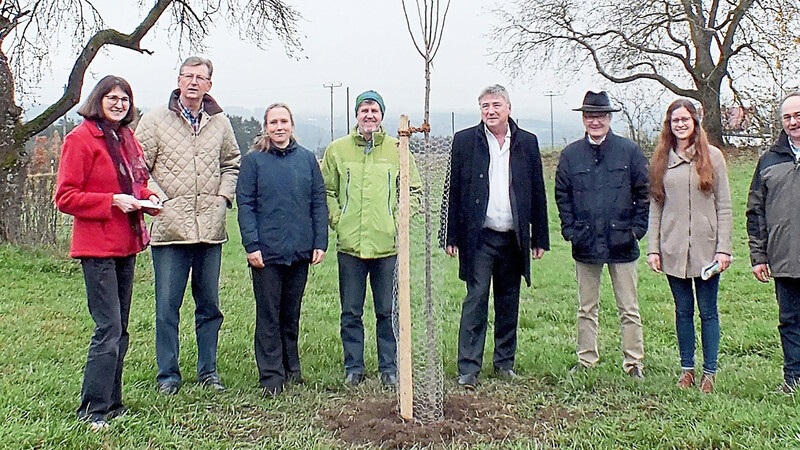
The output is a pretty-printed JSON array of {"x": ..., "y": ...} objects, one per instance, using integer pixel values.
[{"x": 468, "y": 419}]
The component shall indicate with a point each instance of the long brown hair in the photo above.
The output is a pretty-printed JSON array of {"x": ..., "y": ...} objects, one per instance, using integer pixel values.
[
  {"x": 263, "y": 141},
  {"x": 667, "y": 141}
]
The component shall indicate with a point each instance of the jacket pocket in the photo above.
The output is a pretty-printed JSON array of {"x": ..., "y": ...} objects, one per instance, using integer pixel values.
[
  {"x": 580, "y": 240},
  {"x": 620, "y": 237},
  {"x": 346, "y": 193}
]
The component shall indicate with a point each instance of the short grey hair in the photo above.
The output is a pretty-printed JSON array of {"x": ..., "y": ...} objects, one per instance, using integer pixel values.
[
  {"x": 494, "y": 89},
  {"x": 196, "y": 61},
  {"x": 787, "y": 97}
]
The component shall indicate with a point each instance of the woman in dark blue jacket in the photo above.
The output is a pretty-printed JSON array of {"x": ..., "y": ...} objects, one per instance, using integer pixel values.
[{"x": 283, "y": 219}]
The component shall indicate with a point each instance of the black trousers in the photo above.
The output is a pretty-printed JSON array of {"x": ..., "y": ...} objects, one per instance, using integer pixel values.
[
  {"x": 109, "y": 286},
  {"x": 497, "y": 262},
  {"x": 278, "y": 290}
]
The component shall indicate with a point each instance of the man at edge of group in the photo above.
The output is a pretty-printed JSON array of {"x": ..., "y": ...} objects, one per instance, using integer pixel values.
[
  {"x": 603, "y": 202},
  {"x": 361, "y": 173},
  {"x": 497, "y": 213},
  {"x": 773, "y": 217},
  {"x": 193, "y": 157}
]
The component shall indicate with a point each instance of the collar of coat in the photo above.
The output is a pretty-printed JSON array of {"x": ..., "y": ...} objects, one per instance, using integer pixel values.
[
  {"x": 677, "y": 157},
  {"x": 481, "y": 130},
  {"x": 377, "y": 137},
  {"x": 210, "y": 106},
  {"x": 283, "y": 151},
  {"x": 782, "y": 144}
]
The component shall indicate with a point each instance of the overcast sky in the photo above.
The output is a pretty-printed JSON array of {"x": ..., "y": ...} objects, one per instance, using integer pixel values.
[{"x": 361, "y": 43}]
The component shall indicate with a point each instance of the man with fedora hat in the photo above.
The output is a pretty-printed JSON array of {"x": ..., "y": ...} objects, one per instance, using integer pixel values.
[
  {"x": 361, "y": 173},
  {"x": 602, "y": 198}
]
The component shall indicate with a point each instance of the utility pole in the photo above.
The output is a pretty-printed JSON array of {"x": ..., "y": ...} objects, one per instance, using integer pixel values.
[
  {"x": 331, "y": 86},
  {"x": 551, "y": 94},
  {"x": 347, "y": 111}
]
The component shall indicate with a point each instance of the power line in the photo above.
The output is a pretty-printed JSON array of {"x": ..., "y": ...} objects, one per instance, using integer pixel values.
[{"x": 332, "y": 85}]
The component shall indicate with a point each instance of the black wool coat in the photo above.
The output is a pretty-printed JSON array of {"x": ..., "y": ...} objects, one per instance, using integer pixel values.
[
  {"x": 603, "y": 200},
  {"x": 469, "y": 195}
]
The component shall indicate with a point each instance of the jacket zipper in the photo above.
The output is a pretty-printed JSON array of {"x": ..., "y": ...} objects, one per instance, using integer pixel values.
[
  {"x": 389, "y": 191},
  {"x": 346, "y": 192}
]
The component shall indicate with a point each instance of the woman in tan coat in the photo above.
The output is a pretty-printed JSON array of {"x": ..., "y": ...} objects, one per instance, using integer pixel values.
[{"x": 690, "y": 229}]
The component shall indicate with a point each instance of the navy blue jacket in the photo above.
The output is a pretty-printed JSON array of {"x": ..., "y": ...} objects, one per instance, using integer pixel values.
[
  {"x": 603, "y": 200},
  {"x": 469, "y": 195},
  {"x": 281, "y": 200}
]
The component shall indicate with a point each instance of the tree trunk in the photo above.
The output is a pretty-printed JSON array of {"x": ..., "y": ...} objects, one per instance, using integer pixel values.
[
  {"x": 12, "y": 169},
  {"x": 712, "y": 114}
]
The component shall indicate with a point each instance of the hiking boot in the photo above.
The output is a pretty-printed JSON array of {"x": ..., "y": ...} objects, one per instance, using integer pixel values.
[
  {"x": 389, "y": 379},
  {"x": 636, "y": 373},
  {"x": 169, "y": 387},
  {"x": 354, "y": 379},
  {"x": 686, "y": 380},
  {"x": 468, "y": 380}
]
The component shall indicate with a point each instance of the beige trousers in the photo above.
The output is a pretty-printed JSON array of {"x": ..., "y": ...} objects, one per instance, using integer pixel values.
[{"x": 623, "y": 279}]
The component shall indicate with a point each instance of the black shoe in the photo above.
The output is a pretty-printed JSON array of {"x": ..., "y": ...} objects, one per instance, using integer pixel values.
[
  {"x": 389, "y": 379},
  {"x": 295, "y": 378},
  {"x": 636, "y": 373},
  {"x": 468, "y": 380},
  {"x": 213, "y": 382},
  {"x": 354, "y": 379},
  {"x": 116, "y": 412},
  {"x": 506, "y": 374},
  {"x": 271, "y": 391},
  {"x": 169, "y": 387}
]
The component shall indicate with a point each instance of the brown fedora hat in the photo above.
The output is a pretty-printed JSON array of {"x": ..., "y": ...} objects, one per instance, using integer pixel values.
[{"x": 596, "y": 102}]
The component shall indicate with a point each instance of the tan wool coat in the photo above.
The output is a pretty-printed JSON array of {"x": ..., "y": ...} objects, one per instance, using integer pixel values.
[
  {"x": 691, "y": 226},
  {"x": 194, "y": 174}
]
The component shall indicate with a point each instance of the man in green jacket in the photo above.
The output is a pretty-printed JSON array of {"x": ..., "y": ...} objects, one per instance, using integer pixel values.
[{"x": 361, "y": 172}]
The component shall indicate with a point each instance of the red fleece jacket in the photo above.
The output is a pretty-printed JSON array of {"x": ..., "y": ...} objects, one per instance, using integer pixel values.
[{"x": 86, "y": 184}]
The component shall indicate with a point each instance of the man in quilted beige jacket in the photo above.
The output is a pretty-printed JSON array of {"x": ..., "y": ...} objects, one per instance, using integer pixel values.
[{"x": 193, "y": 159}]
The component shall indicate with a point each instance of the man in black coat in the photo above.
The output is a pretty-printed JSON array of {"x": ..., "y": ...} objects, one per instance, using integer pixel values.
[
  {"x": 497, "y": 213},
  {"x": 602, "y": 198}
]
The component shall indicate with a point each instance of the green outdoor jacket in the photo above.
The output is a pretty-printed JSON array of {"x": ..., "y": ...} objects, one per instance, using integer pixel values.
[{"x": 362, "y": 193}]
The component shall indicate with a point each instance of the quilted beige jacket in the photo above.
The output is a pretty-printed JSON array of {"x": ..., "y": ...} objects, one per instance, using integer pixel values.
[
  {"x": 194, "y": 174},
  {"x": 691, "y": 226}
]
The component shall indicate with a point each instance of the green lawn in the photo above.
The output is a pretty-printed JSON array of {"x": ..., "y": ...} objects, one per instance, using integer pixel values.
[{"x": 45, "y": 329}]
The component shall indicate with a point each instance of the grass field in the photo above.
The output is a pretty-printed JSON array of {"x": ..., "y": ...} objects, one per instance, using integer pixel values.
[{"x": 45, "y": 329}]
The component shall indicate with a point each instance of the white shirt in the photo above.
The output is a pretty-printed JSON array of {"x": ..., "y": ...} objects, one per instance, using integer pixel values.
[{"x": 498, "y": 211}]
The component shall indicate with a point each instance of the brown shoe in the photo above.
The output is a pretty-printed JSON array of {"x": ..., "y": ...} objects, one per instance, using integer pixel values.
[
  {"x": 686, "y": 380},
  {"x": 707, "y": 383}
]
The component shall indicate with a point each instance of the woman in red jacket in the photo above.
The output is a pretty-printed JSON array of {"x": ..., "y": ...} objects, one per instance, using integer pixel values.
[{"x": 102, "y": 182}]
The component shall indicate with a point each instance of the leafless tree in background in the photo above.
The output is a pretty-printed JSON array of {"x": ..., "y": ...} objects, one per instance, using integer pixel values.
[
  {"x": 30, "y": 29},
  {"x": 691, "y": 47}
]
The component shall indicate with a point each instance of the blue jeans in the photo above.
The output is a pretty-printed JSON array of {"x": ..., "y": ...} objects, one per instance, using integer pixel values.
[
  {"x": 684, "y": 319},
  {"x": 787, "y": 290},
  {"x": 353, "y": 273},
  {"x": 172, "y": 265},
  {"x": 109, "y": 285}
]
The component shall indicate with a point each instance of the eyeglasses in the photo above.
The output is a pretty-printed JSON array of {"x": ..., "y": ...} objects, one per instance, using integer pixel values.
[
  {"x": 593, "y": 117},
  {"x": 788, "y": 117},
  {"x": 679, "y": 120},
  {"x": 190, "y": 77},
  {"x": 114, "y": 99}
]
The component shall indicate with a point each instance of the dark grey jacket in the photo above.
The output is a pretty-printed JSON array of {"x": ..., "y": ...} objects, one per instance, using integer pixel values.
[
  {"x": 602, "y": 198},
  {"x": 773, "y": 211},
  {"x": 282, "y": 210}
]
